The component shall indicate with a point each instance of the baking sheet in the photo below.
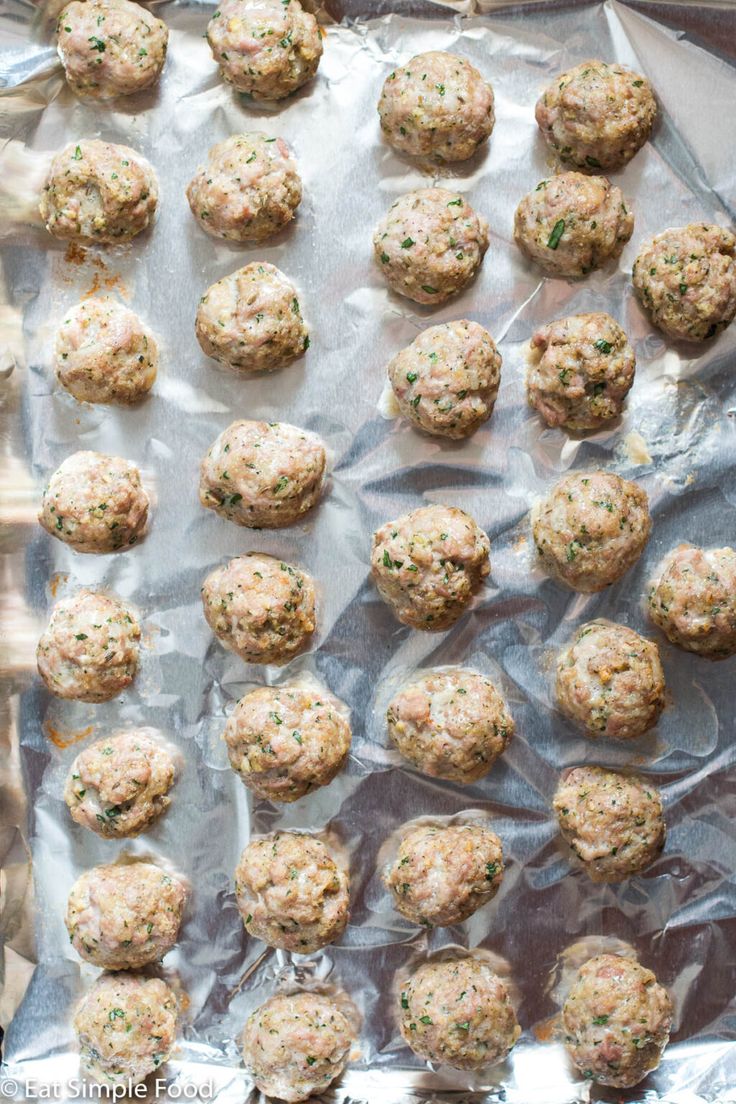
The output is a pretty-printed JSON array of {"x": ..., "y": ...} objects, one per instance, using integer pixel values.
[{"x": 677, "y": 438}]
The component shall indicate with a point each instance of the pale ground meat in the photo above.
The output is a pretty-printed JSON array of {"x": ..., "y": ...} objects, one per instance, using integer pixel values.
[
  {"x": 458, "y": 1013},
  {"x": 251, "y": 320},
  {"x": 685, "y": 278},
  {"x": 90, "y": 648},
  {"x": 95, "y": 503},
  {"x": 447, "y": 380},
  {"x": 248, "y": 190},
  {"x": 428, "y": 564},
  {"x": 572, "y": 224},
  {"x": 286, "y": 741},
  {"x": 693, "y": 600},
  {"x": 125, "y": 915},
  {"x": 119, "y": 786},
  {"x": 265, "y": 47},
  {"x": 104, "y": 353},
  {"x": 296, "y": 1044},
  {"x": 260, "y": 608},
  {"x": 596, "y": 115},
  {"x": 291, "y": 892},
  {"x": 442, "y": 875},
  {"x": 617, "y": 1021},
  {"x": 98, "y": 193},
  {"x": 263, "y": 474},
  {"x": 126, "y": 1024},
  {"x": 436, "y": 104},
  {"x": 430, "y": 244},
  {"x": 581, "y": 369},
  {"x": 613, "y": 822},
  {"x": 450, "y": 723},
  {"x": 591, "y": 529},
  {"x": 110, "y": 48},
  {"x": 610, "y": 681}
]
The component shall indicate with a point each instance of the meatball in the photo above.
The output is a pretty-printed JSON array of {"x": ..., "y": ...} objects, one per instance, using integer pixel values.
[
  {"x": 450, "y": 723},
  {"x": 248, "y": 190},
  {"x": 685, "y": 279},
  {"x": 613, "y": 822},
  {"x": 251, "y": 320},
  {"x": 125, "y": 915},
  {"x": 291, "y": 893},
  {"x": 436, "y": 104},
  {"x": 458, "y": 1012},
  {"x": 110, "y": 48},
  {"x": 119, "y": 786},
  {"x": 265, "y": 47},
  {"x": 573, "y": 224},
  {"x": 104, "y": 353},
  {"x": 591, "y": 529},
  {"x": 260, "y": 608},
  {"x": 430, "y": 244},
  {"x": 98, "y": 193},
  {"x": 263, "y": 474},
  {"x": 442, "y": 875},
  {"x": 693, "y": 600},
  {"x": 617, "y": 1021},
  {"x": 126, "y": 1025},
  {"x": 596, "y": 115},
  {"x": 296, "y": 1044},
  {"x": 610, "y": 681},
  {"x": 89, "y": 650},
  {"x": 581, "y": 369},
  {"x": 95, "y": 503},
  {"x": 428, "y": 564},
  {"x": 286, "y": 741},
  {"x": 446, "y": 381}
]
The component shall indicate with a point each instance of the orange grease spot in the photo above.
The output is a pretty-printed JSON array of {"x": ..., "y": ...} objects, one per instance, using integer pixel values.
[
  {"x": 64, "y": 739},
  {"x": 75, "y": 253},
  {"x": 544, "y": 1031},
  {"x": 56, "y": 581}
]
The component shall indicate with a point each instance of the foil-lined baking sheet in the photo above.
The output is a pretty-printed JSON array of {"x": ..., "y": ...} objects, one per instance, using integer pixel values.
[{"x": 677, "y": 437}]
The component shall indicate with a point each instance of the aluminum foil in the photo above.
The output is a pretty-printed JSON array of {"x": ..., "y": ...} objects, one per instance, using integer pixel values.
[{"x": 677, "y": 437}]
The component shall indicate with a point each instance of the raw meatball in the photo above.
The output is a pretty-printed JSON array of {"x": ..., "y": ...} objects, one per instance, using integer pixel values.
[
  {"x": 260, "y": 608},
  {"x": 263, "y": 474},
  {"x": 104, "y": 353},
  {"x": 685, "y": 279},
  {"x": 437, "y": 104},
  {"x": 430, "y": 244},
  {"x": 450, "y": 723},
  {"x": 126, "y": 1025},
  {"x": 296, "y": 1044},
  {"x": 89, "y": 650},
  {"x": 428, "y": 564},
  {"x": 291, "y": 893},
  {"x": 613, "y": 822},
  {"x": 125, "y": 915},
  {"x": 118, "y": 787},
  {"x": 110, "y": 48},
  {"x": 458, "y": 1012},
  {"x": 573, "y": 224},
  {"x": 597, "y": 116},
  {"x": 617, "y": 1021},
  {"x": 446, "y": 381},
  {"x": 98, "y": 193},
  {"x": 693, "y": 600},
  {"x": 285, "y": 741},
  {"x": 95, "y": 503},
  {"x": 610, "y": 681},
  {"x": 442, "y": 875},
  {"x": 591, "y": 529},
  {"x": 248, "y": 190},
  {"x": 251, "y": 320},
  {"x": 581, "y": 369},
  {"x": 265, "y": 47}
]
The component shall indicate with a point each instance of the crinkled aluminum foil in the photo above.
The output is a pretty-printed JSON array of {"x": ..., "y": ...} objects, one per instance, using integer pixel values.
[{"x": 677, "y": 437}]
